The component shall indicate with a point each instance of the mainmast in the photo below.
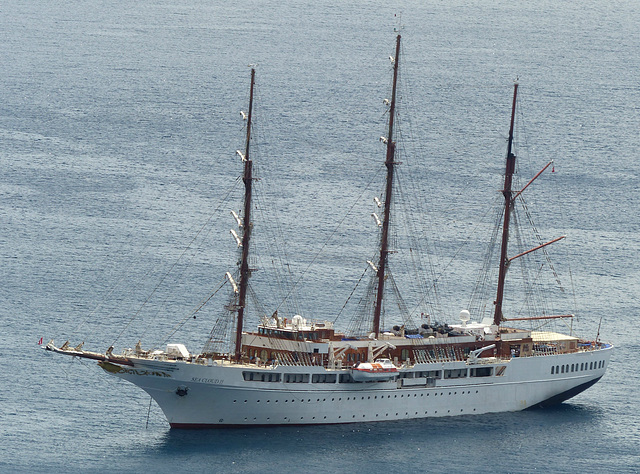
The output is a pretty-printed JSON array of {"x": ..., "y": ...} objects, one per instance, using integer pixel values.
[
  {"x": 246, "y": 226},
  {"x": 384, "y": 241},
  {"x": 508, "y": 203}
]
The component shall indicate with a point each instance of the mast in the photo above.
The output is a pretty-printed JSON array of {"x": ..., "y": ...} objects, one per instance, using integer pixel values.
[
  {"x": 384, "y": 240},
  {"x": 508, "y": 202},
  {"x": 246, "y": 226}
]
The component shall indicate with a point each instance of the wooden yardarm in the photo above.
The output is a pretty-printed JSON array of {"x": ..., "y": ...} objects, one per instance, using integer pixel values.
[
  {"x": 390, "y": 163},
  {"x": 246, "y": 226},
  {"x": 508, "y": 202}
]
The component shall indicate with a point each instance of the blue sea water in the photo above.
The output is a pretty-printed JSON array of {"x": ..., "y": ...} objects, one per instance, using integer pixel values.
[{"x": 119, "y": 123}]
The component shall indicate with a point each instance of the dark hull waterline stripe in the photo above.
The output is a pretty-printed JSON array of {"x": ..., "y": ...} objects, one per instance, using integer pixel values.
[{"x": 561, "y": 397}]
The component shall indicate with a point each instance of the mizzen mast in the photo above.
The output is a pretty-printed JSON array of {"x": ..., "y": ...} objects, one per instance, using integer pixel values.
[
  {"x": 508, "y": 203},
  {"x": 246, "y": 226},
  {"x": 390, "y": 163}
]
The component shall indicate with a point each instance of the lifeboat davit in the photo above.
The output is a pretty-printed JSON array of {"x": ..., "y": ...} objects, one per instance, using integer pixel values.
[{"x": 382, "y": 369}]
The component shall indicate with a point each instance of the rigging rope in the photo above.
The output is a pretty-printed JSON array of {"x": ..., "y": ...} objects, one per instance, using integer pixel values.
[{"x": 176, "y": 261}]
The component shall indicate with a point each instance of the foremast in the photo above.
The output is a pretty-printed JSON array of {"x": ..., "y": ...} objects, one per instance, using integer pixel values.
[
  {"x": 246, "y": 226},
  {"x": 508, "y": 204},
  {"x": 390, "y": 164}
]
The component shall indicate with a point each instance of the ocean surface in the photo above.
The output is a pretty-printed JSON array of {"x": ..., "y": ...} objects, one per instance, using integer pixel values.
[{"x": 119, "y": 123}]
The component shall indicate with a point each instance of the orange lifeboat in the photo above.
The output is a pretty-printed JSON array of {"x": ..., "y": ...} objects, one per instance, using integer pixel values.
[{"x": 380, "y": 370}]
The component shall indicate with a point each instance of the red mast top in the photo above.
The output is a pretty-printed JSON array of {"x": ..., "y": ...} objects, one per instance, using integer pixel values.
[
  {"x": 508, "y": 202},
  {"x": 384, "y": 240}
]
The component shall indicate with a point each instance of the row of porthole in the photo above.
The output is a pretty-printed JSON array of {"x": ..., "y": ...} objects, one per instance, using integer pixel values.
[
  {"x": 353, "y": 416},
  {"x": 368, "y": 397},
  {"x": 565, "y": 369}
]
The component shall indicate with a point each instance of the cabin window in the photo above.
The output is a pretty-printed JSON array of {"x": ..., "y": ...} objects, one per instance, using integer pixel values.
[
  {"x": 591, "y": 366},
  {"x": 346, "y": 378},
  {"x": 482, "y": 372},
  {"x": 571, "y": 367},
  {"x": 552, "y": 367},
  {"x": 582, "y": 366},
  {"x": 261, "y": 376},
  {"x": 455, "y": 373},
  {"x": 263, "y": 354},
  {"x": 406, "y": 375},
  {"x": 404, "y": 355},
  {"x": 323, "y": 378},
  {"x": 296, "y": 378},
  {"x": 562, "y": 367}
]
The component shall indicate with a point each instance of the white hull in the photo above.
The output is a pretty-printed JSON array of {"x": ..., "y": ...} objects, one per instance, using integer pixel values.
[{"x": 200, "y": 396}]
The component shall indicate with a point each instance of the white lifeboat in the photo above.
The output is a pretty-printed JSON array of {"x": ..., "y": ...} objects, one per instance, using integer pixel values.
[{"x": 382, "y": 369}]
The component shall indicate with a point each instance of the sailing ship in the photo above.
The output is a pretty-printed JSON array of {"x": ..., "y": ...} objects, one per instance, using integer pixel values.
[{"x": 299, "y": 371}]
